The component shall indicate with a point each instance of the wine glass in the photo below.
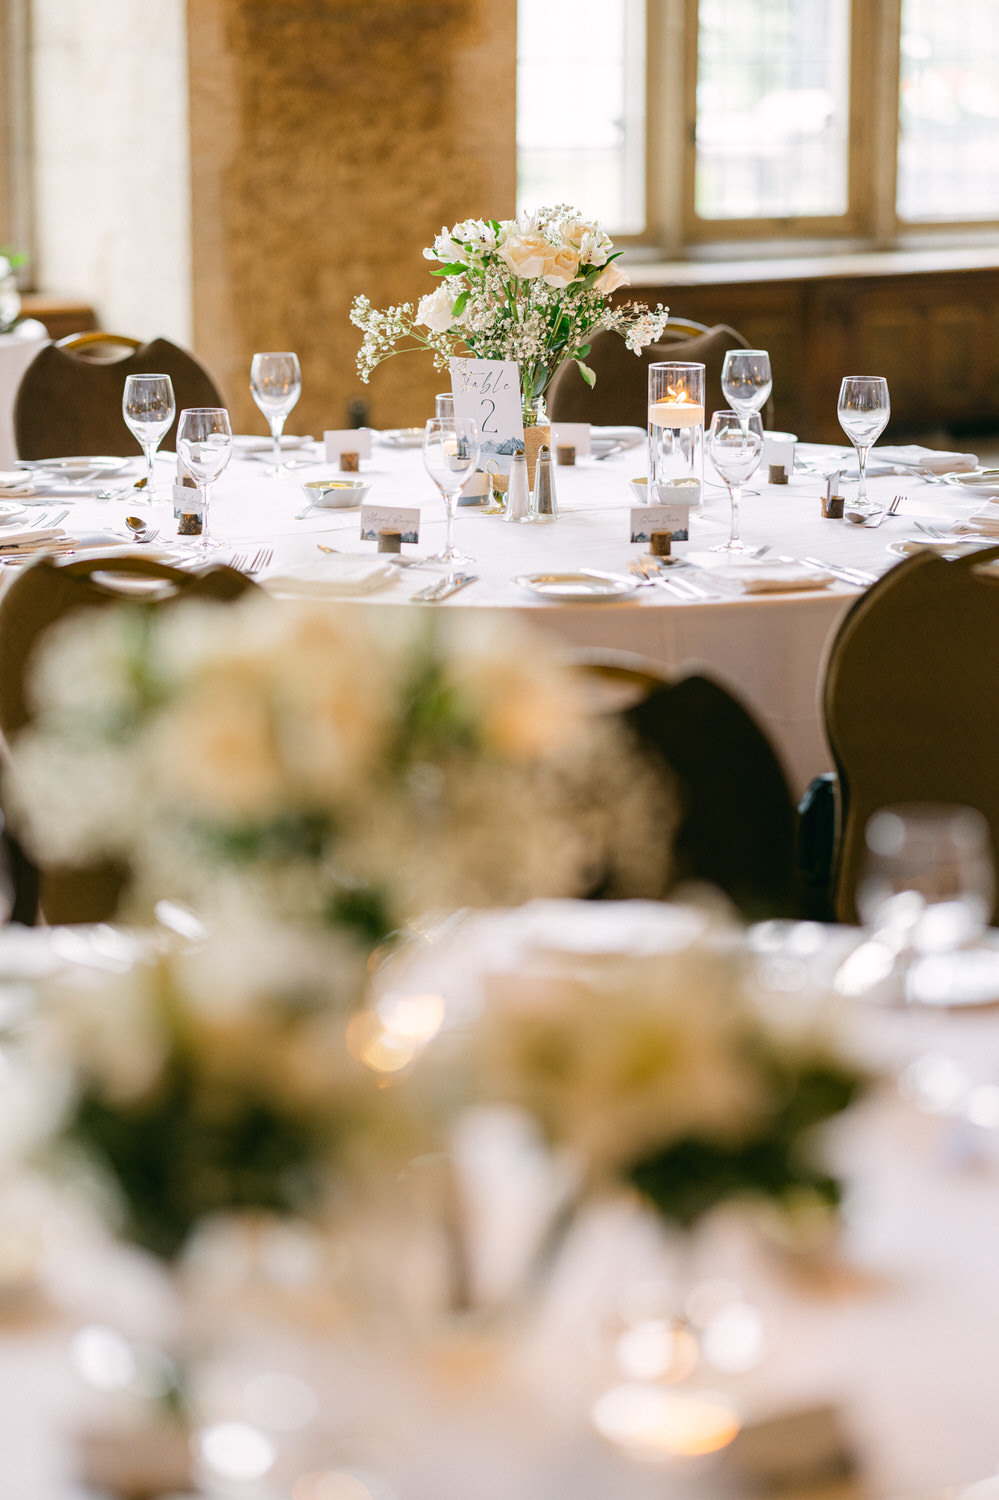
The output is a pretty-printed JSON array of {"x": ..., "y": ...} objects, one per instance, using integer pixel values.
[
  {"x": 276, "y": 384},
  {"x": 746, "y": 382},
  {"x": 863, "y": 410},
  {"x": 450, "y": 454},
  {"x": 736, "y": 444},
  {"x": 927, "y": 883},
  {"x": 148, "y": 406},
  {"x": 204, "y": 442}
]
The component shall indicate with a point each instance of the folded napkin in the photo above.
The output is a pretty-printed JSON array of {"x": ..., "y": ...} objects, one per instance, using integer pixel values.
[
  {"x": 769, "y": 577},
  {"x": 41, "y": 539},
  {"x": 982, "y": 522},
  {"x": 51, "y": 489},
  {"x": 334, "y": 576},
  {"x": 628, "y": 437},
  {"x": 933, "y": 459}
]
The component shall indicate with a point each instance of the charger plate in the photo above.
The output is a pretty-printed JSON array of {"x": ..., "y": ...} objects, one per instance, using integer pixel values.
[{"x": 580, "y": 588}]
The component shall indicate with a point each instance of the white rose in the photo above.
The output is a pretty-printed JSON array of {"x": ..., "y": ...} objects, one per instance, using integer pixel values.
[
  {"x": 436, "y": 310},
  {"x": 611, "y": 278},
  {"x": 562, "y": 268},
  {"x": 527, "y": 255}
]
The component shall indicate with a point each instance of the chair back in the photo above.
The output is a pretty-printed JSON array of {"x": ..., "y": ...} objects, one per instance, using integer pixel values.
[
  {"x": 44, "y": 593},
  {"x": 69, "y": 399},
  {"x": 620, "y": 397},
  {"x": 736, "y": 825},
  {"x": 911, "y": 700}
]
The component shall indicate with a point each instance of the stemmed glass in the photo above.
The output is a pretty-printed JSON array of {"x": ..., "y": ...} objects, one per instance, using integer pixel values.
[
  {"x": 148, "y": 407},
  {"x": 746, "y": 382},
  {"x": 735, "y": 443},
  {"x": 276, "y": 384},
  {"x": 863, "y": 410},
  {"x": 204, "y": 442},
  {"x": 450, "y": 454}
]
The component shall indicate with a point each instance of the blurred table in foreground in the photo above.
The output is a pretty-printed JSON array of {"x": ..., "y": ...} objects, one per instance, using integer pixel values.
[{"x": 899, "y": 1332}]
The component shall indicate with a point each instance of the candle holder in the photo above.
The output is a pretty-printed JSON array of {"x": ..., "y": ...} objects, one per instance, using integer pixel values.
[{"x": 676, "y": 427}]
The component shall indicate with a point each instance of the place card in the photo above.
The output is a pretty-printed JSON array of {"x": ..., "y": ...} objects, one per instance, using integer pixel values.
[
  {"x": 378, "y": 518},
  {"x": 645, "y": 519},
  {"x": 572, "y": 435},
  {"x": 778, "y": 450},
  {"x": 487, "y": 391},
  {"x": 347, "y": 440}
]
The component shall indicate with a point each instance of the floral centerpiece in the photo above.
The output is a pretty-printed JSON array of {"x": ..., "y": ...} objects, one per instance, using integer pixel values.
[
  {"x": 10, "y": 297},
  {"x": 534, "y": 289},
  {"x": 309, "y": 779}
]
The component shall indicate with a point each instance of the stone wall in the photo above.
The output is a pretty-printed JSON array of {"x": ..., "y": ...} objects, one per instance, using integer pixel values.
[{"x": 330, "y": 140}]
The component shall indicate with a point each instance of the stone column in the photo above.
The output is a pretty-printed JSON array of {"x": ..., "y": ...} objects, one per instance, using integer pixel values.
[{"x": 330, "y": 140}]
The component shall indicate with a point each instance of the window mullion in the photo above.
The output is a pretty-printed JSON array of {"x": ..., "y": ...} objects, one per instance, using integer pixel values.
[{"x": 874, "y": 114}]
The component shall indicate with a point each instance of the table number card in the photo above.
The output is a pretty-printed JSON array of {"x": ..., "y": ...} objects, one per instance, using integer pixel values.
[
  {"x": 488, "y": 392},
  {"x": 645, "y": 519},
  {"x": 378, "y": 518}
]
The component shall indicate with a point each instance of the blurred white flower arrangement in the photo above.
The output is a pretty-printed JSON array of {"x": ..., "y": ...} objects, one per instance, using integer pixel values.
[
  {"x": 309, "y": 778},
  {"x": 533, "y": 289}
]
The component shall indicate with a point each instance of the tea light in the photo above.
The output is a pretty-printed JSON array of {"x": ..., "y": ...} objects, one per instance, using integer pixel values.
[
  {"x": 676, "y": 414},
  {"x": 649, "y": 1421}
]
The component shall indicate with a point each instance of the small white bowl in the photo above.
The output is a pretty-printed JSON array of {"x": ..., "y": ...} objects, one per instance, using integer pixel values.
[{"x": 337, "y": 493}]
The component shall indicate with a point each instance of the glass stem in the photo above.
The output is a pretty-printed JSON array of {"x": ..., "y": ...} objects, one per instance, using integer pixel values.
[
  {"x": 277, "y": 425},
  {"x": 203, "y": 492},
  {"x": 735, "y": 495},
  {"x": 862, "y": 452},
  {"x": 149, "y": 449},
  {"x": 448, "y": 552}
]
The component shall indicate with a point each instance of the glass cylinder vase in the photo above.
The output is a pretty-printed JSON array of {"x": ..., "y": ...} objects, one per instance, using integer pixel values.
[
  {"x": 537, "y": 433},
  {"x": 676, "y": 432}
]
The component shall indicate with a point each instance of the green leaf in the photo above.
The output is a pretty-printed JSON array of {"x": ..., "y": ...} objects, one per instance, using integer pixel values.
[
  {"x": 453, "y": 268},
  {"x": 587, "y": 374},
  {"x": 459, "y": 306},
  {"x": 583, "y": 351}
]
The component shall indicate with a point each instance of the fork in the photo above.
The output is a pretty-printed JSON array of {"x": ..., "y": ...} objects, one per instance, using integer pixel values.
[{"x": 261, "y": 560}]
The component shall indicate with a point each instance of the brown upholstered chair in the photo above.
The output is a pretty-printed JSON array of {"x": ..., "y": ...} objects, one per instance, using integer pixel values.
[
  {"x": 620, "y": 396},
  {"x": 69, "y": 399},
  {"x": 44, "y": 593},
  {"x": 736, "y": 823},
  {"x": 911, "y": 700}
]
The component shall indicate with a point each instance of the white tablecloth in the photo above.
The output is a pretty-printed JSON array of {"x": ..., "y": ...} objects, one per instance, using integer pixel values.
[
  {"x": 16, "y": 354},
  {"x": 767, "y": 648},
  {"x": 902, "y": 1338}
]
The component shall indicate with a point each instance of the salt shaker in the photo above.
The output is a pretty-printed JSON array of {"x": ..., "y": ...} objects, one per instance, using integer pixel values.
[
  {"x": 544, "y": 505},
  {"x": 518, "y": 505}
]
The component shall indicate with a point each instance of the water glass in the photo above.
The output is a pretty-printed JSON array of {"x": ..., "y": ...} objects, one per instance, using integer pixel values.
[
  {"x": 863, "y": 410},
  {"x": 676, "y": 431},
  {"x": 735, "y": 444},
  {"x": 276, "y": 384},
  {"x": 928, "y": 880},
  {"x": 204, "y": 442},
  {"x": 746, "y": 381},
  {"x": 148, "y": 407},
  {"x": 450, "y": 454}
]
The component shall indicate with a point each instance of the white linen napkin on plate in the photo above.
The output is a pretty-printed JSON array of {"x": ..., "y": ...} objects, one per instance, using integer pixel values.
[
  {"x": 40, "y": 539},
  {"x": 769, "y": 577},
  {"x": 933, "y": 459},
  {"x": 50, "y": 490},
  {"x": 628, "y": 437},
  {"x": 331, "y": 576},
  {"x": 982, "y": 522}
]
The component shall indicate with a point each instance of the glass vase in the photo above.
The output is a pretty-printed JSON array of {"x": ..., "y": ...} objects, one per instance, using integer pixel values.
[{"x": 537, "y": 433}]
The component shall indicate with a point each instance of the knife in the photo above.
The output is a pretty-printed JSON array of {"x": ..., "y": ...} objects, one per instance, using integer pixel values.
[
  {"x": 838, "y": 570},
  {"x": 445, "y": 588}
]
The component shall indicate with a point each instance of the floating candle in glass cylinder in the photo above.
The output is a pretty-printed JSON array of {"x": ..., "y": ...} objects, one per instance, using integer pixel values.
[{"x": 676, "y": 424}]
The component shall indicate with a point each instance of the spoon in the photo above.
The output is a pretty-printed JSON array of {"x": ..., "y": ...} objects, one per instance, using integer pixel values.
[{"x": 140, "y": 529}]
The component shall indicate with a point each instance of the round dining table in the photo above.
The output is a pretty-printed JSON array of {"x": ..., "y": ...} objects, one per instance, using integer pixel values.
[{"x": 765, "y": 647}]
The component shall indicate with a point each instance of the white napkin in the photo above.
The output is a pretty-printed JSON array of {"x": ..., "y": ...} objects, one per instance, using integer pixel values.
[
  {"x": 51, "y": 489},
  {"x": 335, "y": 576},
  {"x": 40, "y": 537},
  {"x": 770, "y": 577},
  {"x": 982, "y": 522},
  {"x": 628, "y": 437},
  {"x": 933, "y": 459}
]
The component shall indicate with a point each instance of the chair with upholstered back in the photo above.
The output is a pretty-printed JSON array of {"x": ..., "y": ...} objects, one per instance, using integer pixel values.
[
  {"x": 45, "y": 593},
  {"x": 621, "y": 394},
  {"x": 69, "y": 399},
  {"x": 911, "y": 699},
  {"x": 736, "y": 820}
]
